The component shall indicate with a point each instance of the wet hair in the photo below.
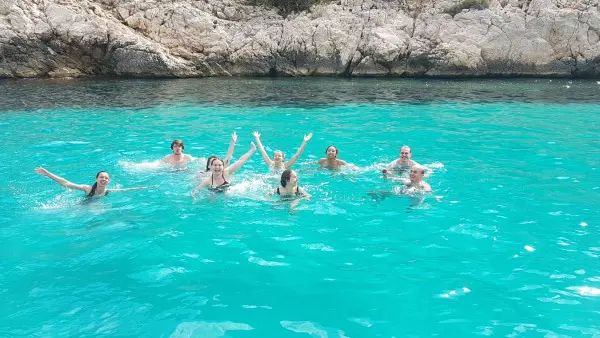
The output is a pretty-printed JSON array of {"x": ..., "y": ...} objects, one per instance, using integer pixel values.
[
  {"x": 418, "y": 167},
  {"x": 217, "y": 158},
  {"x": 209, "y": 161},
  {"x": 332, "y": 146},
  {"x": 177, "y": 142},
  {"x": 285, "y": 177},
  {"x": 93, "y": 191}
]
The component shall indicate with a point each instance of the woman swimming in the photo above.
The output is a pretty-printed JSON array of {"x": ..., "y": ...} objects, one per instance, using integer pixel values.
[
  {"x": 97, "y": 189},
  {"x": 289, "y": 186},
  {"x": 278, "y": 157},
  {"x": 219, "y": 179},
  {"x": 227, "y": 157},
  {"x": 331, "y": 161}
]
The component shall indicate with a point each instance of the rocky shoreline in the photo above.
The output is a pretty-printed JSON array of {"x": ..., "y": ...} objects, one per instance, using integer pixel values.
[{"x": 184, "y": 38}]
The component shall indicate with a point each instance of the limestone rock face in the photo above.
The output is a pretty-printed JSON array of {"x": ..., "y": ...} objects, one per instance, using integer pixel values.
[{"x": 186, "y": 38}]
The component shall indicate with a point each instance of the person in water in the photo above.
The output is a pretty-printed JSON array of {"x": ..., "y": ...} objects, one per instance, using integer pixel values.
[
  {"x": 278, "y": 158},
  {"x": 177, "y": 157},
  {"x": 331, "y": 161},
  {"x": 99, "y": 188},
  {"x": 289, "y": 186},
  {"x": 227, "y": 157},
  {"x": 219, "y": 179},
  {"x": 415, "y": 183},
  {"x": 402, "y": 164}
]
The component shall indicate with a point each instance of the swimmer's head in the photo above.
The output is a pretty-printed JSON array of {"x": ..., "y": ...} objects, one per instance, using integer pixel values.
[
  {"x": 209, "y": 161},
  {"x": 217, "y": 165},
  {"x": 102, "y": 178},
  {"x": 332, "y": 152},
  {"x": 278, "y": 156},
  {"x": 405, "y": 153},
  {"x": 417, "y": 172},
  {"x": 289, "y": 176},
  {"x": 177, "y": 147}
]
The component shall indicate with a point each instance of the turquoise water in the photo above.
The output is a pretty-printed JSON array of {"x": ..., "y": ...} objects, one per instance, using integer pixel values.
[{"x": 507, "y": 245}]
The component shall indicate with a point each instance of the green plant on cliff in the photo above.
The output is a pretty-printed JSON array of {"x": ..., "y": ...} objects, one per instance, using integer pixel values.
[{"x": 467, "y": 4}]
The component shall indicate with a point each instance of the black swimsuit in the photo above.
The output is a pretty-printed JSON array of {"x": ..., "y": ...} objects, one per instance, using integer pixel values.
[
  {"x": 297, "y": 193},
  {"x": 93, "y": 192},
  {"x": 220, "y": 188}
]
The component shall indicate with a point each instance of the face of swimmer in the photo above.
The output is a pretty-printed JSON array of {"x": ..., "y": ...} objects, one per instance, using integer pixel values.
[
  {"x": 102, "y": 179},
  {"x": 293, "y": 179},
  {"x": 405, "y": 153},
  {"x": 331, "y": 152},
  {"x": 217, "y": 166},
  {"x": 417, "y": 173},
  {"x": 278, "y": 157},
  {"x": 177, "y": 147}
]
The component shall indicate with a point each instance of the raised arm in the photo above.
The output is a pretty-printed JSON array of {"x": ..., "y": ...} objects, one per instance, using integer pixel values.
[
  {"x": 235, "y": 166},
  {"x": 62, "y": 181},
  {"x": 265, "y": 157},
  {"x": 231, "y": 147},
  {"x": 294, "y": 158}
]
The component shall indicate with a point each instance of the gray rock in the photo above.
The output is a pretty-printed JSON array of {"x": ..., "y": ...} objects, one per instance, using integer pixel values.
[{"x": 184, "y": 38}]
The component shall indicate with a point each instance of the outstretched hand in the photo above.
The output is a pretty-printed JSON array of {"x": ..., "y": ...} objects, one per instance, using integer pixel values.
[
  {"x": 256, "y": 134},
  {"x": 234, "y": 137},
  {"x": 41, "y": 171},
  {"x": 307, "y": 137}
]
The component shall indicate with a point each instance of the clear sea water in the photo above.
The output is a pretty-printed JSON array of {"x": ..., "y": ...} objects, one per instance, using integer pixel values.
[{"x": 507, "y": 245}]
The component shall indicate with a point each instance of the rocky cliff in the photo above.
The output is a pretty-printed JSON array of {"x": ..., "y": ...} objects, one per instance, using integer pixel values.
[{"x": 185, "y": 38}]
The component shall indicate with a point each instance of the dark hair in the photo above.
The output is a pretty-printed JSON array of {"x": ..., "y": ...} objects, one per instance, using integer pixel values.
[
  {"x": 285, "y": 177},
  {"x": 178, "y": 142},
  {"x": 334, "y": 147},
  {"x": 217, "y": 158},
  {"x": 93, "y": 191},
  {"x": 209, "y": 161}
]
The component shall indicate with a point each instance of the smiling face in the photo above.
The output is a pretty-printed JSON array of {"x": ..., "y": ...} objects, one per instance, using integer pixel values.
[
  {"x": 293, "y": 179},
  {"x": 278, "y": 157},
  {"x": 102, "y": 179},
  {"x": 217, "y": 166},
  {"x": 405, "y": 153},
  {"x": 331, "y": 152},
  {"x": 417, "y": 173}
]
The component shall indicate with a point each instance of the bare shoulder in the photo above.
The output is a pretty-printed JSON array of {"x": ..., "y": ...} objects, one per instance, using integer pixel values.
[
  {"x": 342, "y": 162},
  {"x": 322, "y": 161}
]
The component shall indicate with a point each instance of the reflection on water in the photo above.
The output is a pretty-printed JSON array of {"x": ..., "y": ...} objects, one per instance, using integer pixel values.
[{"x": 39, "y": 94}]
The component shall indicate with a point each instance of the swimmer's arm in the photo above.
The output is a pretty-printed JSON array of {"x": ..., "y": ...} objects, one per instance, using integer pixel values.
[
  {"x": 237, "y": 165},
  {"x": 134, "y": 188},
  {"x": 427, "y": 187},
  {"x": 265, "y": 157},
  {"x": 271, "y": 193},
  {"x": 299, "y": 152},
  {"x": 200, "y": 186},
  {"x": 62, "y": 181},
  {"x": 304, "y": 193},
  {"x": 165, "y": 159},
  {"x": 390, "y": 166},
  {"x": 231, "y": 147}
]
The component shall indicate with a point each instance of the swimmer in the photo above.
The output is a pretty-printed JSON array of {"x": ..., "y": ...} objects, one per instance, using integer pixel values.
[
  {"x": 227, "y": 157},
  {"x": 402, "y": 164},
  {"x": 415, "y": 183},
  {"x": 289, "y": 186},
  {"x": 97, "y": 189},
  {"x": 331, "y": 161},
  {"x": 219, "y": 179},
  {"x": 278, "y": 157},
  {"x": 410, "y": 186},
  {"x": 177, "y": 157}
]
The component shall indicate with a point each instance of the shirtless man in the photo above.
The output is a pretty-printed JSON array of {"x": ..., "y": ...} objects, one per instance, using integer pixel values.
[
  {"x": 177, "y": 157},
  {"x": 402, "y": 164},
  {"x": 331, "y": 161},
  {"x": 416, "y": 183}
]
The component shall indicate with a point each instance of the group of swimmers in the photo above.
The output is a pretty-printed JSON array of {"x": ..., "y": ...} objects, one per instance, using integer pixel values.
[{"x": 217, "y": 176}]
